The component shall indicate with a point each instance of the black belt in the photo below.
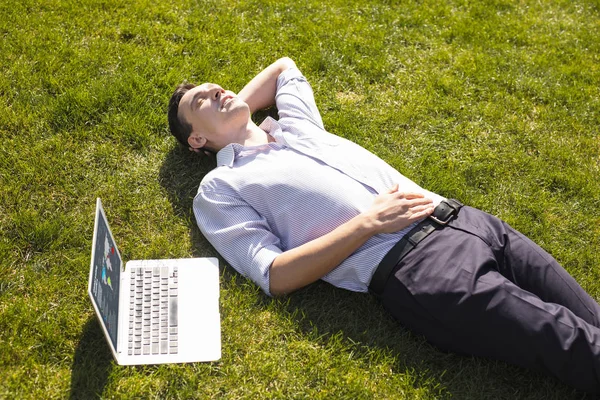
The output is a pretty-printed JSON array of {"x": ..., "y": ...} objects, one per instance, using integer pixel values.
[{"x": 442, "y": 214}]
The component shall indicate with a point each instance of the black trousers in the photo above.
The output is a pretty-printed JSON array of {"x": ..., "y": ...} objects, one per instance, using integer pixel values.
[{"x": 479, "y": 287}]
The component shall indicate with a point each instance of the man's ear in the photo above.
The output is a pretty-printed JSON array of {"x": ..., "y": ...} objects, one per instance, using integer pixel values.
[{"x": 196, "y": 141}]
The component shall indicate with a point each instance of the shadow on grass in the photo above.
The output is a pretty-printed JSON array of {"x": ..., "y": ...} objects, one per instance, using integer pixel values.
[
  {"x": 92, "y": 363},
  {"x": 180, "y": 175},
  {"x": 370, "y": 331},
  {"x": 361, "y": 320}
]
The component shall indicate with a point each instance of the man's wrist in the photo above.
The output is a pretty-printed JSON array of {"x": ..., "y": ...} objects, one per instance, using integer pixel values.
[{"x": 365, "y": 225}]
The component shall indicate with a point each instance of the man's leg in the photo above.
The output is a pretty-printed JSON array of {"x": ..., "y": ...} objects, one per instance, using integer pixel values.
[
  {"x": 450, "y": 289},
  {"x": 529, "y": 266}
]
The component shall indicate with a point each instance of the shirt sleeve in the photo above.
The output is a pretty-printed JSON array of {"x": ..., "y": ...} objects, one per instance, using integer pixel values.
[
  {"x": 295, "y": 98},
  {"x": 238, "y": 233}
]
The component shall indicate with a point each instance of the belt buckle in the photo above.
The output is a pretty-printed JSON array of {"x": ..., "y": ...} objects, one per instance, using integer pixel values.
[
  {"x": 439, "y": 221},
  {"x": 452, "y": 212}
]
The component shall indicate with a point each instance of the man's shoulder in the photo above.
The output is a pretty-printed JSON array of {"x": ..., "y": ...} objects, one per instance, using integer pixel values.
[
  {"x": 224, "y": 181},
  {"x": 211, "y": 179}
]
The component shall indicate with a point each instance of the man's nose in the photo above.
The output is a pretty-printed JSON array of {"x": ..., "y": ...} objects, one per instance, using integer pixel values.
[{"x": 218, "y": 91}]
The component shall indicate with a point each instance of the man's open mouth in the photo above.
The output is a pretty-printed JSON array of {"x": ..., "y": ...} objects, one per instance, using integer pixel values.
[{"x": 226, "y": 101}]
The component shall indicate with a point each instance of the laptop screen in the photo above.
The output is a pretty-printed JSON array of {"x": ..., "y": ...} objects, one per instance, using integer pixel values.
[{"x": 106, "y": 276}]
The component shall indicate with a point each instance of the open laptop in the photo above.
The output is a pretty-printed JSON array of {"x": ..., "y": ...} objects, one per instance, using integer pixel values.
[{"x": 154, "y": 311}]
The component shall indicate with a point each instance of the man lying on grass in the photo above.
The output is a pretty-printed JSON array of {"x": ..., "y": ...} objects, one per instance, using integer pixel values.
[{"x": 290, "y": 203}]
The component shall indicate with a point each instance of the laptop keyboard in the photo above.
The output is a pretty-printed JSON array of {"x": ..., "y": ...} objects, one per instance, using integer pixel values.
[{"x": 153, "y": 311}]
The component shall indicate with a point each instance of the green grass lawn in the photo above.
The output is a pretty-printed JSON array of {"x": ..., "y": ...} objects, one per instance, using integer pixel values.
[{"x": 495, "y": 103}]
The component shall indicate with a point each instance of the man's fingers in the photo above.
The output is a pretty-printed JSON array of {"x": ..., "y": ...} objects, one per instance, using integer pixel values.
[
  {"x": 408, "y": 196},
  {"x": 420, "y": 215},
  {"x": 419, "y": 201},
  {"x": 411, "y": 195},
  {"x": 427, "y": 208},
  {"x": 421, "y": 208}
]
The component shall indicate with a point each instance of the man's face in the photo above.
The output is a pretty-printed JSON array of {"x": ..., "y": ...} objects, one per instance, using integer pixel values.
[{"x": 218, "y": 117}]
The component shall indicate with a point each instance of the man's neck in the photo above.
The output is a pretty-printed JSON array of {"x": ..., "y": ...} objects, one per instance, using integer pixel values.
[{"x": 255, "y": 136}]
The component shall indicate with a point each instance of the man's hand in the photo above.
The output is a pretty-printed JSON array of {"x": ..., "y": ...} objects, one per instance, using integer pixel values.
[
  {"x": 394, "y": 211},
  {"x": 200, "y": 151}
]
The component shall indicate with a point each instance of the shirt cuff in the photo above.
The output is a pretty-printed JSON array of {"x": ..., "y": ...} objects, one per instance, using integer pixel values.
[
  {"x": 262, "y": 262},
  {"x": 287, "y": 75}
]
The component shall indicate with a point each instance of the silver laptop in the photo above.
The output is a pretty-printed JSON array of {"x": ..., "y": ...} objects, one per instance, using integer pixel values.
[{"x": 154, "y": 311}]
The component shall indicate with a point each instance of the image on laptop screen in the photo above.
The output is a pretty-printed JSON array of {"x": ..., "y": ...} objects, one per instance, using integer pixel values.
[{"x": 105, "y": 282}]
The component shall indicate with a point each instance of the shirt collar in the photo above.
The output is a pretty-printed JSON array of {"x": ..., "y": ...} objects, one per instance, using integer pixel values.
[
  {"x": 227, "y": 155},
  {"x": 272, "y": 127}
]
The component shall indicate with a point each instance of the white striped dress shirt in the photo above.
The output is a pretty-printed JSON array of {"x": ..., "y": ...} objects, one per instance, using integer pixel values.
[{"x": 261, "y": 201}]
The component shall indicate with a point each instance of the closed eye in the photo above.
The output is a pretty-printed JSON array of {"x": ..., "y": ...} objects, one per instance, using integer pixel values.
[{"x": 197, "y": 101}]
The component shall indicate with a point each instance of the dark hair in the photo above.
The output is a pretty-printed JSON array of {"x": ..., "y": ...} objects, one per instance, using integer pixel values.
[{"x": 179, "y": 127}]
